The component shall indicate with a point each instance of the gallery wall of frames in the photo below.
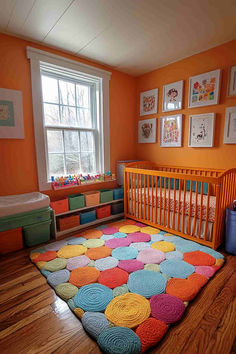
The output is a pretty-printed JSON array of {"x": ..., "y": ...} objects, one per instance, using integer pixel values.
[{"x": 203, "y": 90}]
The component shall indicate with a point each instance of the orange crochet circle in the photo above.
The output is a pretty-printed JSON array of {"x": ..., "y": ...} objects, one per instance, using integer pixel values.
[
  {"x": 150, "y": 332},
  {"x": 113, "y": 277},
  {"x": 92, "y": 234},
  {"x": 183, "y": 289},
  {"x": 98, "y": 252},
  {"x": 198, "y": 280},
  {"x": 46, "y": 256},
  {"x": 83, "y": 276},
  {"x": 199, "y": 258}
]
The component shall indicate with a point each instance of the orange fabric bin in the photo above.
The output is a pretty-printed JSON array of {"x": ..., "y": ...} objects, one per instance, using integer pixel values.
[
  {"x": 60, "y": 206},
  {"x": 68, "y": 222},
  {"x": 103, "y": 212},
  {"x": 92, "y": 198},
  {"x": 11, "y": 240}
]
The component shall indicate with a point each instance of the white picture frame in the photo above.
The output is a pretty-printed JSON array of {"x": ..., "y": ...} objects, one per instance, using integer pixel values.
[
  {"x": 230, "y": 126},
  {"x": 148, "y": 102},
  {"x": 201, "y": 130},
  {"x": 232, "y": 82},
  {"x": 11, "y": 114},
  {"x": 171, "y": 131},
  {"x": 172, "y": 96},
  {"x": 147, "y": 131},
  {"x": 204, "y": 89}
]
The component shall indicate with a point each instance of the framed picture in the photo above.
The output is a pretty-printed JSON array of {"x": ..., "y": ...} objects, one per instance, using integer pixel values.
[
  {"x": 232, "y": 82},
  {"x": 201, "y": 130},
  {"x": 11, "y": 114},
  {"x": 147, "y": 131},
  {"x": 230, "y": 126},
  {"x": 171, "y": 131},
  {"x": 148, "y": 102},
  {"x": 204, "y": 89},
  {"x": 172, "y": 96}
]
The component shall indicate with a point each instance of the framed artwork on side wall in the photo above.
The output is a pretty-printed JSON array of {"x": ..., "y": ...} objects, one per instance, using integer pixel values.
[
  {"x": 147, "y": 131},
  {"x": 232, "y": 82},
  {"x": 11, "y": 114},
  {"x": 230, "y": 126},
  {"x": 171, "y": 131},
  {"x": 204, "y": 89},
  {"x": 201, "y": 130},
  {"x": 172, "y": 96},
  {"x": 148, "y": 102}
]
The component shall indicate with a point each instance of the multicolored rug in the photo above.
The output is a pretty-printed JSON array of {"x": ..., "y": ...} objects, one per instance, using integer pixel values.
[{"x": 126, "y": 281}]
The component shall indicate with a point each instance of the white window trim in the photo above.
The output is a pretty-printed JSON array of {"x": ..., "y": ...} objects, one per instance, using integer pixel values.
[{"x": 36, "y": 56}]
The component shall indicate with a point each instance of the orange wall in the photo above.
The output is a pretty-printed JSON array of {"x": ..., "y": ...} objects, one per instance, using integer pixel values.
[
  {"x": 18, "y": 170},
  {"x": 221, "y": 155}
]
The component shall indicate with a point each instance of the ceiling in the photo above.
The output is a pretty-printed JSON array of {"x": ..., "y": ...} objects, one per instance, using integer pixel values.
[{"x": 133, "y": 36}]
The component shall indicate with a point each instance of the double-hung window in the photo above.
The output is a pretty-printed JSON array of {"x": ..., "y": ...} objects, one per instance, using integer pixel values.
[{"x": 71, "y": 120}]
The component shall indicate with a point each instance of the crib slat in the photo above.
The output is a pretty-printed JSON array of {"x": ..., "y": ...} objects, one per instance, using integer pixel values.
[
  {"x": 164, "y": 207},
  {"x": 196, "y": 209},
  {"x": 201, "y": 212},
  {"x": 141, "y": 196},
  {"x": 173, "y": 217},
  {"x": 168, "y": 215},
  {"x": 148, "y": 198},
  {"x": 180, "y": 191},
  {"x": 132, "y": 190},
  {"x": 128, "y": 194},
  {"x": 183, "y": 203},
  {"x": 207, "y": 212},
  {"x": 190, "y": 206},
  {"x": 160, "y": 197},
  {"x": 144, "y": 176},
  {"x": 152, "y": 202},
  {"x": 135, "y": 194}
]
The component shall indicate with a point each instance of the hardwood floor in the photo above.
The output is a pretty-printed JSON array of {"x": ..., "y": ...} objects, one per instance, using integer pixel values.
[{"x": 34, "y": 320}]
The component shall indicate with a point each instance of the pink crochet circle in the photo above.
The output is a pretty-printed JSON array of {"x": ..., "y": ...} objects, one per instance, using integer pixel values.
[
  {"x": 117, "y": 242},
  {"x": 166, "y": 308},
  {"x": 205, "y": 270},
  {"x": 139, "y": 224},
  {"x": 138, "y": 237},
  {"x": 110, "y": 230},
  {"x": 77, "y": 262},
  {"x": 151, "y": 256},
  {"x": 130, "y": 265}
]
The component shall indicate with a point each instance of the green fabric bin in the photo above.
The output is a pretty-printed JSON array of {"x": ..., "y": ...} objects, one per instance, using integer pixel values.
[
  {"x": 37, "y": 233},
  {"x": 76, "y": 201},
  {"x": 106, "y": 195},
  {"x": 24, "y": 219}
]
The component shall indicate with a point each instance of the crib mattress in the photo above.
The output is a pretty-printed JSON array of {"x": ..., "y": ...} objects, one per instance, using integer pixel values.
[{"x": 177, "y": 201}]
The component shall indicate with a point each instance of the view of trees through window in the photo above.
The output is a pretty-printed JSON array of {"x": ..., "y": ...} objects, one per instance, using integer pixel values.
[{"x": 70, "y": 125}]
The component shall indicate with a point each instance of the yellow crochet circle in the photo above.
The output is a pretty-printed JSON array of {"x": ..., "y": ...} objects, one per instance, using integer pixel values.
[
  {"x": 128, "y": 310},
  {"x": 93, "y": 243},
  {"x": 34, "y": 255},
  {"x": 168, "y": 234},
  {"x": 150, "y": 230},
  {"x": 163, "y": 246},
  {"x": 41, "y": 264},
  {"x": 79, "y": 312},
  {"x": 71, "y": 251},
  {"x": 152, "y": 267},
  {"x": 128, "y": 229},
  {"x": 219, "y": 262}
]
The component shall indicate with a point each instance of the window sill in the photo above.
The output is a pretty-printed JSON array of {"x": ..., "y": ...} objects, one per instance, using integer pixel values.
[{"x": 81, "y": 185}]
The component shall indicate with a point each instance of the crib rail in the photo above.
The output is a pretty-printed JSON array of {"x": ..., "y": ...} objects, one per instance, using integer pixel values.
[{"x": 178, "y": 200}]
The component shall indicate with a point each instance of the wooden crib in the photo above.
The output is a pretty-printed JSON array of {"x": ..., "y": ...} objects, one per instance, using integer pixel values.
[{"x": 189, "y": 202}]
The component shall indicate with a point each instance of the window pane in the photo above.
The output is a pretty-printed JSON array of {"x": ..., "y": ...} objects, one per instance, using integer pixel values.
[
  {"x": 68, "y": 116},
  {"x": 84, "y": 118},
  {"x": 71, "y": 139},
  {"x": 86, "y": 141},
  {"x": 72, "y": 163},
  {"x": 51, "y": 114},
  {"x": 56, "y": 165},
  {"x": 55, "y": 141},
  {"x": 67, "y": 93},
  {"x": 50, "y": 89},
  {"x": 87, "y": 162},
  {"x": 82, "y": 93}
]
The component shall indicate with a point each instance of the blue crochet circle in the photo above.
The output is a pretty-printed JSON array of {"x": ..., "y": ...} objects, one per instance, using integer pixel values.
[
  {"x": 119, "y": 340},
  {"x": 176, "y": 268},
  {"x": 174, "y": 255},
  {"x": 76, "y": 241},
  {"x": 45, "y": 272},
  {"x": 106, "y": 237},
  {"x": 157, "y": 237},
  {"x": 146, "y": 283},
  {"x": 58, "y": 277},
  {"x": 93, "y": 297},
  {"x": 212, "y": 252},
  {"x": 124, "y": 253},
  {"x": 119, "y": 234},
  {"x": 187, "y": 246},
  {"x": 94, "y": 323}
]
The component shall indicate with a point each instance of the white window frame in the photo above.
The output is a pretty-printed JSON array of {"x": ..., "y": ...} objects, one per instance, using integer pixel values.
[{"x": 36, "y": 56}]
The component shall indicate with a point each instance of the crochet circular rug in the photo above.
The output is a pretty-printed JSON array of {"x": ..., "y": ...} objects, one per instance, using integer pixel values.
[{"x": 126, "y": 282}]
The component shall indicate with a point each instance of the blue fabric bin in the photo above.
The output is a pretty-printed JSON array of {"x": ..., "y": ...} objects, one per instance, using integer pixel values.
[
  {"x": 118, "y": 193},
  {"x": 87, "y": 216},
  {"x": 230, "y": 243}
]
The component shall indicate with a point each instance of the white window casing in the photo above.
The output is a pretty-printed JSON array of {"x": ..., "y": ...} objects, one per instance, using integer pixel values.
[{"x": 37, "y": 59}]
